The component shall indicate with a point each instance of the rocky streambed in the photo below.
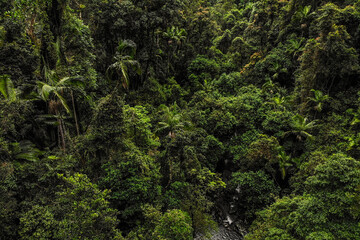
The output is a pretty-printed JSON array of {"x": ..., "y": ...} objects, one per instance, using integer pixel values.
[
  {"x": 228, "y": 216},
  {"x": 223, "y": 233},
  {"x": 229, "y": 227}
]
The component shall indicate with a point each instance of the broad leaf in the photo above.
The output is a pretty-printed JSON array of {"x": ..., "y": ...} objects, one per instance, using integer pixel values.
[
  {"x": 45, "y": 90},
  {"x": 7, "y": 88},
  {"x": 63, "y": 101},
  {"x": 71, "y": 81}
]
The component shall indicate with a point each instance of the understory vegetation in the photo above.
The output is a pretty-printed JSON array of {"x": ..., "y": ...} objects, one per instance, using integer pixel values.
[{"x": 159, "y": 119}]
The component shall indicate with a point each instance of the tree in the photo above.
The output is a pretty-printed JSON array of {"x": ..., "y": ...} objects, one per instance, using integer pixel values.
[
  {"x": 328, "y": 60},
  {"x": 323, "y": 211},
  {"x": 319, "y": 99},
  {"x": 175, "y": 225},
  {"x": 295, "y": 46},
  {"x": 52, "y": 93},
  {"x": 138, "y": 128},
  {"x": 173, "y": 120},
  {"x": 173, "y": 35},
  {"x": 303, "y": 13},
  {"x": 124, "y": 58},
  {"x": 252, "y": 192},
  {"x": 279, "y": 102},
  {"x": 8, "y": 202},
  {"x": 2, "y": 36},
  {"x": 283, "y": 161},
  {"x": 191, "y": 195},
  {"x": 270, "y": 86},
  {"x": 134, "y": 180},
  {"x": 301, "y": 127},
  {"x": 79, "y": 210}
]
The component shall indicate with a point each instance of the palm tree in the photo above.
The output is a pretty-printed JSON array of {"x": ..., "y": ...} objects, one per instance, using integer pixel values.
[
  {"x": 52, "y": 93},
  {"x": 301, "y": 127},
  {"x": 177, "y": 35},
  {"x": 124, "y": 59},
  {"x": 279, "y": 102},
  {"x": 270, "y": 86},
  {"x": 7, "y": 88},
  {"x": 284, "y": 161},
  {"x": 295, "y": 46},
  {"x": 319, "y": 98},
  {"x": 303, "y": 12},
  {"x": 172, "y": 121},
  {"x": 277, "y": 68}
]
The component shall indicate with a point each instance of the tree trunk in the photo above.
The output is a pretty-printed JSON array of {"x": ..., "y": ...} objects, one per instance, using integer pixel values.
[
  {"x": 75, "y": 115},
  {"x": 61, "y": 131}
]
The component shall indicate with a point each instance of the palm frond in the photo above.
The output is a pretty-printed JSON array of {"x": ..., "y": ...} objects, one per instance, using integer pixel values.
[
  {"x": 63, "y": 101},
  {"x": 26, "y": 150},
  {"x": 45, "y": 90},
  {"x": 7, "y": 88},
  {"x": 71, "y": 82}
]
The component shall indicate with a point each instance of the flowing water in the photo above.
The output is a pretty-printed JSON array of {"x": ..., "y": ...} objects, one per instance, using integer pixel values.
[{"x": 223, "y": 233}]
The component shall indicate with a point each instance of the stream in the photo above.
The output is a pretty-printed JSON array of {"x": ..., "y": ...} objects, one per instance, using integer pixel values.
[
  {"x": 223, "y": 233},
  {"x": 230, "y": 227}
]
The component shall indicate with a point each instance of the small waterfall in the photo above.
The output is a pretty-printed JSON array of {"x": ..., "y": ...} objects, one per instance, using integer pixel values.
[{"x": 228, "y": 219}]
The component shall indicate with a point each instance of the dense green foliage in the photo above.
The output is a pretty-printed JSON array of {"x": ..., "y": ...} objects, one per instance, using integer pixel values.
[{"x": 127, "y": 119}]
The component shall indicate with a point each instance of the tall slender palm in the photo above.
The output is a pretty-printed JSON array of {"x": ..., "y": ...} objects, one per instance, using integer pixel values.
[
  {"x": 173, "y": 122},
  {"x": 124, "y": 59},
  {"x": 52, "y": 92},
  {"x": 174, "y": 35}
]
